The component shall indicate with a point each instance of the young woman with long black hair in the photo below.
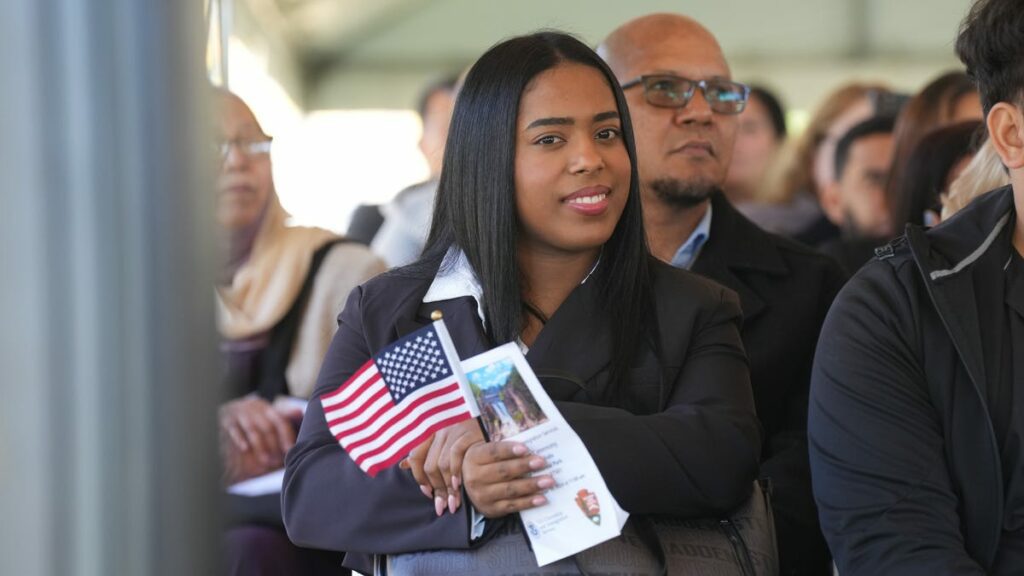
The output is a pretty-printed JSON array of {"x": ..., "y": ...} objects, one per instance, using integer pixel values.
[{"x": 537, "y": 238}]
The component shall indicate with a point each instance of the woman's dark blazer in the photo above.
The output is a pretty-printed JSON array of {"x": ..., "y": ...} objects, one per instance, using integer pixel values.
[{"x": 694, "y": 455}]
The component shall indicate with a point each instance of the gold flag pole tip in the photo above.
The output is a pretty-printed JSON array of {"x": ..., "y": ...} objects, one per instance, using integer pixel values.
[{"x": 436, "y": 315}]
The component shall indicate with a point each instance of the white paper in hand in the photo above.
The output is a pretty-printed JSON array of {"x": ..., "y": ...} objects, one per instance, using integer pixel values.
[{"x": 580, "y": 512}]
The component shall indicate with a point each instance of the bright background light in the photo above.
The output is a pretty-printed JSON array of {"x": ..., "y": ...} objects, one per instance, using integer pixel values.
[
  {"x": 334, "y": 160},
  {"x": 328, "y": 162}
]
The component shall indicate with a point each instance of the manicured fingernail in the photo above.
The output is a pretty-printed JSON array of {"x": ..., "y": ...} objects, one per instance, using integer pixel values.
[
  {"x": 545, "y": 483},
  {"x": 439, "y": 505},
  {"x": 519, "y": 450},
  {"x": 453, "y": 504},
  {"x": 539, "y": 501},
  {"x": 537, "y": 463},
  {"x": 426, "y": 491},
  {"x": 456, "y": 483}
]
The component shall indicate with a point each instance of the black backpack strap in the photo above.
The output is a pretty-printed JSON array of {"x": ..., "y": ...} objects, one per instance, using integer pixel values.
[{"x": 274, "y": 360}]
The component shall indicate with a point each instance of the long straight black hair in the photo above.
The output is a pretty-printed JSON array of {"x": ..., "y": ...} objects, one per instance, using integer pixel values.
[{"x": 475, "y": 209}]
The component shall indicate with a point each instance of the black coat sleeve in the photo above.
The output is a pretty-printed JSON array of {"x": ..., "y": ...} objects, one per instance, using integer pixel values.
[
  {"x": 802, "y": 548},
  {"x": 329, "y": 503},
  {"x": 878, "y": 464},
  {"x": 699, "y": 456}
]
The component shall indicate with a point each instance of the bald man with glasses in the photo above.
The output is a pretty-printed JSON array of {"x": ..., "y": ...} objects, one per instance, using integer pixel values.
[{"x": 684, "y": 106}]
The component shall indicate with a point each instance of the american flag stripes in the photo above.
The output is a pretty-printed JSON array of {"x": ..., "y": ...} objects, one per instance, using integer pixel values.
[{"x": 409, "y": 390}]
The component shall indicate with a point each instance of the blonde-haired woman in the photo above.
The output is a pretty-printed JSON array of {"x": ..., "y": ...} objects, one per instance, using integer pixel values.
[{"x": 985, "y": 172}]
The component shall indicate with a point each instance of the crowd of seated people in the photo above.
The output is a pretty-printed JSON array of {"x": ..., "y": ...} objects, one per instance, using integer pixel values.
[
  {"x": 788, "y": 201},
  {"x": 835, "y": 316}
]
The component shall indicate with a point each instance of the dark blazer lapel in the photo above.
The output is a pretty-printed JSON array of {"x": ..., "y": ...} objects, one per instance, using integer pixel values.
[
  {"x": 559, "y": 356},
  {"x": 562, "y": 364},
  {"x": 738, "y": 245},
  {"x": 461, "y": 319},
  {"x": 710, "y": 265}
]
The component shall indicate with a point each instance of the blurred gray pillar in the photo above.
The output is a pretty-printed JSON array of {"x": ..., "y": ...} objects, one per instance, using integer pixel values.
[{"x": 108, "y": 365}]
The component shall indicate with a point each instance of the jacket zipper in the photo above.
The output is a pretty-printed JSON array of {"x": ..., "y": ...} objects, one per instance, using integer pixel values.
[{"x": 739, "y": 547}]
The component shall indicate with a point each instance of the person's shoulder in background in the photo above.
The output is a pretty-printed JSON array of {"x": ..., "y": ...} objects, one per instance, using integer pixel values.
[
  {"x": 407, "y": 218},
  {"x": 346, "y": 266}
]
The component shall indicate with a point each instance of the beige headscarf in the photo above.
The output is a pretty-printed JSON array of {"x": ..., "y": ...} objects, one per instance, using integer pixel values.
[{"x": 266, "y": 285}]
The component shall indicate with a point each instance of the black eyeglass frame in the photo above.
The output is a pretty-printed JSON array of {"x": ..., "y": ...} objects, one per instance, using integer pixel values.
[{"x": 688, "y": 94}]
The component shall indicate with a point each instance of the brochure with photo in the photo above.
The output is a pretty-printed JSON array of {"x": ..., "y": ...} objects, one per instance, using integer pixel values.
[{"x": 513, "y": 405}]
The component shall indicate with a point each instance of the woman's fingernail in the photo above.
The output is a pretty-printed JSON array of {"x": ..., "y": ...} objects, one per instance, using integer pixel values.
[
  {"x": 539, "y": 501},
  {"x": 455, "y": 483},
  {"x": 537, "y": 463},
  {"x": 453, "y": 504},
  {"x": 439, "y": 505},
  {"x": 426, "y": 491},
  {"x": 519, "y": 450},
  {"x": 545, "y": 483}
]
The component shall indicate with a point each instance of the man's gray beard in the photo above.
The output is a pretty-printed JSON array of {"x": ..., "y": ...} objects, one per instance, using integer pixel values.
[{"x": 682, "y": 194}]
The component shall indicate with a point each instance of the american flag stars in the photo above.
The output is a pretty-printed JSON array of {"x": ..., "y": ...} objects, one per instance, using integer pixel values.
[{"x": 411, "y": 364}]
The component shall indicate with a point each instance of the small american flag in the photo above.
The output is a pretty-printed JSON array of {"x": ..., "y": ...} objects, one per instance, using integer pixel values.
[{"x": 409, "y": 390}]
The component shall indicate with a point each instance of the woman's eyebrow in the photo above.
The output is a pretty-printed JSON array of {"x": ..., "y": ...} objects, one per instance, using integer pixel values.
[
  {"x": 563, "y": 121},
  {"x": 566, "y": 121}
]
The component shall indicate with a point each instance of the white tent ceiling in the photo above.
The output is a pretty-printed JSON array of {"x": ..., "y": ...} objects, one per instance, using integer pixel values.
[{"x": 374, "y": 53}]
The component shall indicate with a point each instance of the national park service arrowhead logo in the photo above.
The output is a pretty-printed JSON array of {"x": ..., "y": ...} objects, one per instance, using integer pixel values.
[{"x": 587, "y": 501}]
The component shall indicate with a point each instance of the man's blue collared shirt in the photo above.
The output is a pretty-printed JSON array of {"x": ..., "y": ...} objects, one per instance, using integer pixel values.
[{"x": 688, "y": 252}]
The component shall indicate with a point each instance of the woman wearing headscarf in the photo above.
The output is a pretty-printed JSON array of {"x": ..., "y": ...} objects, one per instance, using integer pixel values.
[{"x": 279, "y": 294}]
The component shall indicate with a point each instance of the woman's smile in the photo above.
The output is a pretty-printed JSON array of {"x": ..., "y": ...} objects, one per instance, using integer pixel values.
[{"x": 590, "y": 201}]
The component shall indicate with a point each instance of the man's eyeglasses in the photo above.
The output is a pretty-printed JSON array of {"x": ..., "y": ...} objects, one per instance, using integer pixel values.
[
  {"x": 667, "y": 91},
  {"x": 248, "y": 148}
]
